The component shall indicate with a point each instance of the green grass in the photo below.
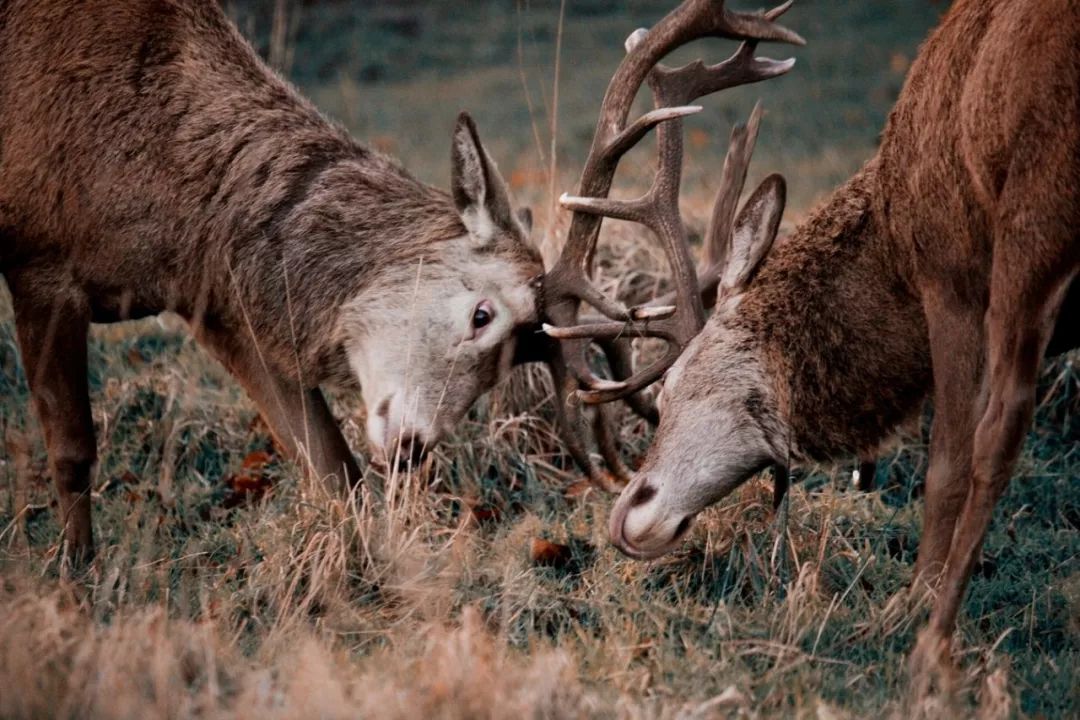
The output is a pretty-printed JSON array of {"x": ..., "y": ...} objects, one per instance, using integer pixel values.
[
  {"x": 397, "y": 74},
  {"x": 419, "y": 598}
]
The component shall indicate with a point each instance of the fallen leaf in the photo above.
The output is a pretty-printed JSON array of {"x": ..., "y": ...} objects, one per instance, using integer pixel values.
[
  {"x": 485, "y": 513},
  {"x": 251, "y": 483},
  {"x": 545, "y": 552},
  {"x": 256, "y": 460},
  {"x": 578, "y": 490}
]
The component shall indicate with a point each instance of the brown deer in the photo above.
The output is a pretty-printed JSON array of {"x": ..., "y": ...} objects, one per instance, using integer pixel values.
[
  {"x": 149, "y": 161},
  {"x": 945, "y": 263}
]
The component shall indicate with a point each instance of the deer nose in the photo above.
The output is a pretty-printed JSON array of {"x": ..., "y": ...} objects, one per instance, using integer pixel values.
[
  {"x": 640, "y": 527},
  {"x": 409, "y": 449}
]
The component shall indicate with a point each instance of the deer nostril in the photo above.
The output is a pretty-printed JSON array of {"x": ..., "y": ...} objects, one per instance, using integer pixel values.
[
  {"x": 411, "y": 450},
  {"x": 684, "y": 525},
  {"x": 644, "y": 494},
  {"x": 383, "y": 410}
]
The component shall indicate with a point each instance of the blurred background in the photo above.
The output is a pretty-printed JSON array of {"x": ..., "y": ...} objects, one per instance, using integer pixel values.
[{"x": 397, "y": 73}]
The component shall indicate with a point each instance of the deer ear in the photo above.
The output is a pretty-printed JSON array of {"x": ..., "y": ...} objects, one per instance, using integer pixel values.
[
  {"x": 480, "y": 193},
  {"x": 755, "y": 231}
]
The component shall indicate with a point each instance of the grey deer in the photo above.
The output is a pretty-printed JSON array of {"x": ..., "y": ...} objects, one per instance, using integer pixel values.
[{"x": 150, "y": 161}]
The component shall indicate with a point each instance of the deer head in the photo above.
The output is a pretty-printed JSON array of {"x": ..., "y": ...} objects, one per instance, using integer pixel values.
[
  {"x": 679, "y": 316},
  {"x": 716, "y": 424},
  {"x": 429, "y": 337}
]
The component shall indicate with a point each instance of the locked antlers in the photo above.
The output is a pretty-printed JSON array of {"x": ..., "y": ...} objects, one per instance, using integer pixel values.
[{"x": 676, "y": 318}]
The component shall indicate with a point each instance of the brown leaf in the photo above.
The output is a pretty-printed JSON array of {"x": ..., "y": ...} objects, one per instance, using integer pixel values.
[
  {"x": 135, "y": 357},
  {"x": 545, "y": 552},
  {"x": 484, "y": 514},
  {"x": 256, "y": 460},
  {"x": 578, "y": 490},
  {"x": 251, "y": 483}
]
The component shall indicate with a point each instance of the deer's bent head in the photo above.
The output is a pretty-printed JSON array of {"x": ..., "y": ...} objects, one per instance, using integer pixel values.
[
  {"x": 431, "y": 336},
  {"x": 717, "y": 415}
]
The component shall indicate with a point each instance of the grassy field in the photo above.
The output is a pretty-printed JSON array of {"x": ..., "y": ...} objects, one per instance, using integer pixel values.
[{"x": 228, "y": 586}]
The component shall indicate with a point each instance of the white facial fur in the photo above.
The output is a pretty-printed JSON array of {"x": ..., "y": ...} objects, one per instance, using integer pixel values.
[
  {"x": 710, "y": 439},
  {"x": 412, "y": 339},
  {"x": 412, "y": 346}
]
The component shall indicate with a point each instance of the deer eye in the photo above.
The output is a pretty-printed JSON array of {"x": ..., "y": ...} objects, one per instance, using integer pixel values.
[{"x": 483, "y": 314}]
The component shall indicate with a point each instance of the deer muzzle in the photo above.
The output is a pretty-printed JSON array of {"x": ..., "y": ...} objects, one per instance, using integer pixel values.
[{"x": 641, "y": 526}]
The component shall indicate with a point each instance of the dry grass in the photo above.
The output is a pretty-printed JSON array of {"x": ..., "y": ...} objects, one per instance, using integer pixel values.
[{"x": 418, "y": 597}]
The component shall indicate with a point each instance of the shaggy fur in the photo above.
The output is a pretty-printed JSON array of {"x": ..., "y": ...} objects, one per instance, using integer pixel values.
[{"x": 150, "y": 161}]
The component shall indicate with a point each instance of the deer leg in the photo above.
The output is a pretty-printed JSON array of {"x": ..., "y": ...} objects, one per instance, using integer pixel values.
[
  {"x": 957, "y": 349},
  {"x": 1019, "y": 324},
  {"x": 299, "y": 418},
  {"x": 52, "y": 341}
]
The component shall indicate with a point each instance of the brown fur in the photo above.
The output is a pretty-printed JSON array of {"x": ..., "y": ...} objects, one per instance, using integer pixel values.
[
  {"x": 946, "y": 263},
  {"x": 830, "y": 348},
  {"x": 150, "y": 161}
]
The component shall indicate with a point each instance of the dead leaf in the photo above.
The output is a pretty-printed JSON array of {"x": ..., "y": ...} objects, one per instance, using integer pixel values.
[
  {"x": 256, "y": 460},
  {"x": 251, "y": 483},
  {"x": 545, "y": 552},
  {"x": 484, "y": 514},
  {"x": 578, "y": 490}
]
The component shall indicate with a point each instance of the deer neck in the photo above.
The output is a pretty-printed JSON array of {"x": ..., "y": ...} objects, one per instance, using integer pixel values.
[
  {"x": 363, "y": 223},
  {"x": 843, "y": 337}
]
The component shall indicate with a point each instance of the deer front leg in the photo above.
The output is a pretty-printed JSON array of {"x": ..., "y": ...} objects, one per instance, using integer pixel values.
[
  {"x": 299, "y": 418},
  {"x": 957, "y": 348},
  {"x": 1019, "y": 324},
  {"x": 52, "y": 341}
]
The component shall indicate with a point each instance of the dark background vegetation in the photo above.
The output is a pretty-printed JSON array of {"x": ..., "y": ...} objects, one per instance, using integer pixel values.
[{"x": 398, "y": 73}]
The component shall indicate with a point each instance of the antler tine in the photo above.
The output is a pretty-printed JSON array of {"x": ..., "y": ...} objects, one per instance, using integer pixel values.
[
  {"x": 620, "y": 360},
  {"x": 692, "y": 20},
  {"x": 568, "y": 416},
  {"x": 608, "y": 444},
  {"x": 682, "y": 85},
  {"x": 658, "y": 210},
  {"x": 721, "y": 223},
  {"x": 732, "y": 181}
]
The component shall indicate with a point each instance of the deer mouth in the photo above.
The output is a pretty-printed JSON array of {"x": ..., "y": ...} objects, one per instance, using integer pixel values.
[{"x": 617, "y": 532}]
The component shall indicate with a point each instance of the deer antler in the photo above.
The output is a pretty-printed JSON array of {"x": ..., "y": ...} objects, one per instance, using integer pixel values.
[{"x": 568, "y": 283}]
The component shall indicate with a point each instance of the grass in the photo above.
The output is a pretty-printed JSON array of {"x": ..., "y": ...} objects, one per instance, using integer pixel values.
[
  {"x": 229, "y": 591},
  {"x": 420, "y": 597}
]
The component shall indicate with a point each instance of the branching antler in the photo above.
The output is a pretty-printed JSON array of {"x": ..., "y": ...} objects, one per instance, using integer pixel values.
[{"x": 679, "y": 317}]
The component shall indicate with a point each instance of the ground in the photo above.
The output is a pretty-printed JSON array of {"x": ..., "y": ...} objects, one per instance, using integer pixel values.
[{"x": 228, "y": 586}]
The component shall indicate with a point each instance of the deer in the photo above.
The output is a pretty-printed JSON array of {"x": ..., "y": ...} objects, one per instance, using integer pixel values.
[
  {"x": 152, "y": 162},
  {"x": 945, "y": 267}
]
